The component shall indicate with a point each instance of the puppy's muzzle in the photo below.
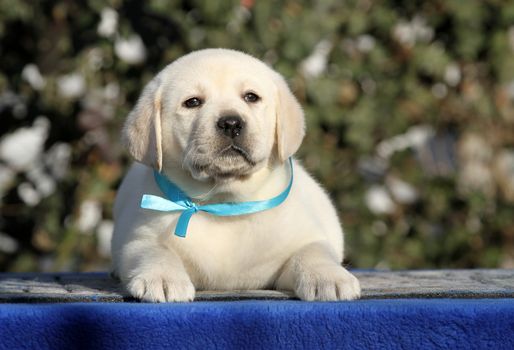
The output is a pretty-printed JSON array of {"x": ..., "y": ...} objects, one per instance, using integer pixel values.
[{"x": 231, "y": 126}]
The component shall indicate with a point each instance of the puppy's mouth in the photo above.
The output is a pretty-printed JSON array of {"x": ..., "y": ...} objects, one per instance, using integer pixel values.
[
  {"x": 235, "y": 151},
  {"x": 232, "y": 161}
]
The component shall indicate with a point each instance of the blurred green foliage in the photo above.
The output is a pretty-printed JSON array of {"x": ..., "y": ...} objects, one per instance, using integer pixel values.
[{"x": 409, "y": 104}]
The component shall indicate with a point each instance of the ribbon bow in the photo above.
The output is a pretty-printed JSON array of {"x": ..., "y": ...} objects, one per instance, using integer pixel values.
[{"x": 176, "y": 200}]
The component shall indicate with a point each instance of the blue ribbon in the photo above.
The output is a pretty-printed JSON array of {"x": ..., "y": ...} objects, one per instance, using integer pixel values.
[{"x": 176, "y": 200}]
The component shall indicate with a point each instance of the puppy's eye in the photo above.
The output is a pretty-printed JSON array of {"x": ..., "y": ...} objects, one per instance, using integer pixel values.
[
  {"x": 250, "y": 97},
  {"x": 193, "y": 102}
]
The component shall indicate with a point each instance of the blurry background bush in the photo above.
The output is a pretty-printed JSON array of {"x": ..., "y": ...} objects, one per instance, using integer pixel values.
[{"x": 410, "y": 109}]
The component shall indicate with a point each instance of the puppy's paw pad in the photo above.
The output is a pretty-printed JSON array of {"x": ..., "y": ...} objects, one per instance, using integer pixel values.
[
  {"x": 330, "y": 284},
  {"x": 160, "y": 289}
]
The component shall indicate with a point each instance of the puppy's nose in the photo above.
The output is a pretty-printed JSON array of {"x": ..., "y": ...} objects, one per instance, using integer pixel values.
[{"x": 230, "y": 126}]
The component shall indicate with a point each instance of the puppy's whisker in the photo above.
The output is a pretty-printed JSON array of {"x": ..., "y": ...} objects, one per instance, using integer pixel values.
[
  {"x": 190, "y": 159},
  {"x": 184, "y": 161},
  {"x": 205, "y": 195}
]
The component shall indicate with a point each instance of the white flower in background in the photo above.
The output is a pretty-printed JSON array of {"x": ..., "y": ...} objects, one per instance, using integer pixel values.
[
  {"x": 131, "y": 50},
  {"x": 57, "y": 158},
  {"x": 422, "y": 31},
  {"x": 45, "y": 184},
  {"x": 474, "y": 147},
  {"x": 452, "y": 74},
  {"x": 403, "y": 33},
  {"x": 22, "y": 148},
  {"x": 379, "y": 201},
  {"x": 72, "y": 85},
  {"x": 365, "y": 43},
  {"x": 28, "y": 194},
  {"x": 419, "y": 135},
  {"x": 476, "y": 176},
  {"x": 402, "y": 192},
  {"x": 316, "y": 63},
  {"x": 8, "y": 244},
  {"x": 476, "y": 155},
  {"x": 31, "y": 74},
  {"x": 408, "y": 33},
  {"x": 415, "y": 137},
  {"x": 108, "y": 22},
  {"x": 111, "y": 91},
  {"x": 90, "y": 214},
  {"x": 95, "y": 59},
  {"x": 439, "y": 90},
  {"x": 104, "y": 235},
  {"x": 6, "y": 177},
  {"x": 240, "y": 16},
  {"x": 368, "y": 85}
]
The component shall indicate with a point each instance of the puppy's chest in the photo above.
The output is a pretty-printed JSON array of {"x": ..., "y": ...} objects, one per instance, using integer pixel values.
[{"x": 247, "y": 251}]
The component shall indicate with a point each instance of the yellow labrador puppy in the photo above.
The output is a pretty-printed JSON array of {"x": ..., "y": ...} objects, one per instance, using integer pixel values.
[{"x": 220, "y": 126}]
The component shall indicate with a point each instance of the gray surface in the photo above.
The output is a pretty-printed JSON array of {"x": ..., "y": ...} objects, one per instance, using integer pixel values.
[{"x": 88, "y": 287}]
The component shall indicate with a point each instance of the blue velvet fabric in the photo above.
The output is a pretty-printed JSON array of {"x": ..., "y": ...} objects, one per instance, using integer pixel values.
[{"x": 365, "y": 324}]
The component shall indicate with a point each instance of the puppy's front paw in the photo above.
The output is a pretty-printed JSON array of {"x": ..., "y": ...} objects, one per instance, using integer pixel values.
[
  {"x": 160, "y": 288},
  {"x": 327, "y": 283}
]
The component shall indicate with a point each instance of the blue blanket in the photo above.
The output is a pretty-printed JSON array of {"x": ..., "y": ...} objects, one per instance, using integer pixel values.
[{"x": 365, "y": 324}]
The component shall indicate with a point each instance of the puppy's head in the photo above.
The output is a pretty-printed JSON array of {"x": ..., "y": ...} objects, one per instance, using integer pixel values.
[{"x": 218, "y": 114}]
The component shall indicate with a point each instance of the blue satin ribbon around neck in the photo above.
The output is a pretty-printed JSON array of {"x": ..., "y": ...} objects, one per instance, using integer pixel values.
[{"x": 176, "y": 200}]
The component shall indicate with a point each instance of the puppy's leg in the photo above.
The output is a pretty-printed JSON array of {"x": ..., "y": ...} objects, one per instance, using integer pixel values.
[
  {"x": 154, "y": 273},
  {"x": 314, "y": 273}
]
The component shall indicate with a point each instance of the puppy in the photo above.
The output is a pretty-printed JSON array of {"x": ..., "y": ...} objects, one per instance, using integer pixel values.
[{"x": 221, "y": 126}]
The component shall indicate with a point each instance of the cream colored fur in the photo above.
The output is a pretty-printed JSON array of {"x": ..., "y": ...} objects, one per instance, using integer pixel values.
[{"x": 296, "y": 246}]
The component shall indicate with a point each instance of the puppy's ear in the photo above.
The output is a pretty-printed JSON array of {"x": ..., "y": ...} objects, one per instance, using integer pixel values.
[
  {"x": 290, "y": 121},
  {"x": 142, "y": 131}
]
